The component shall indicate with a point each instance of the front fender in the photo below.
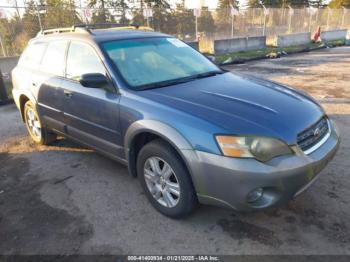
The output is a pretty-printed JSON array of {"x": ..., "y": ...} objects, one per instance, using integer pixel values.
[
  {"x": 165, "y": 131},
  {"x": 168, "y": 133}
]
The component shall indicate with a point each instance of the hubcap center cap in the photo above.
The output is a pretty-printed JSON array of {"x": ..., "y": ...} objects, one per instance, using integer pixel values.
[{"x": 162, "y": 182}]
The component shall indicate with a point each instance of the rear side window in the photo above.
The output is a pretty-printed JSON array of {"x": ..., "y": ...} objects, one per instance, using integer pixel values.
[
  {"x": 32, "y": 56},
  {"x": 53, "y": 60},
  {"x": 82, "y": 59}
]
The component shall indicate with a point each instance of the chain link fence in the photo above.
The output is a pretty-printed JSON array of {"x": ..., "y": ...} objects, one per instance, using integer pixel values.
[{"x": 19, "y": 24}]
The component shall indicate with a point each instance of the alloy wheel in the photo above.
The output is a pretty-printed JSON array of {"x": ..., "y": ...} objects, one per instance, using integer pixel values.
[
  {"x": 162, "y": 182},
  {"x": 33, "y": 123}
]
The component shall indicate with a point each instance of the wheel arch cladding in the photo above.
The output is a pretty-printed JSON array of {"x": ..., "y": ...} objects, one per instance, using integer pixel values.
[
  {"x": 23, "y": 99},
  {"x": 144, "y": 131}
]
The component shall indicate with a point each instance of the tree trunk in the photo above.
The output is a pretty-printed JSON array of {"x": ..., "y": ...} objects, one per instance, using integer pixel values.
[{"x": 103, "y": 11}]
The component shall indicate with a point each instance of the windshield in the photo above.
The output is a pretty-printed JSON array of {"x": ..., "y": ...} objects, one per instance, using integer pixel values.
[{"x": 155, "y": 62}]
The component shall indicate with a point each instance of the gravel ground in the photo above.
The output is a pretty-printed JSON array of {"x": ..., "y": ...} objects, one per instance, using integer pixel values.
[{"x": 66, "y": 199}]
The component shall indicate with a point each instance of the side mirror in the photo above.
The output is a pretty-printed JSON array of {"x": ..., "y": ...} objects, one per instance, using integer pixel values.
[{"x": 94, "y": 80}]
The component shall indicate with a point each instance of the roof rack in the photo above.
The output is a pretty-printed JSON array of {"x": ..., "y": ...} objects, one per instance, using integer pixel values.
[
  {"x": 114, "y": 26},
  {"x": 86, "y": 28},
  {"x": 64, "y": 30},
  {"x": 98, "y": 25}
]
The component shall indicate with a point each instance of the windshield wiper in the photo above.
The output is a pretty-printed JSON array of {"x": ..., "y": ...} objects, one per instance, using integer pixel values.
[
  {"x": 165, "y": 83},
  {"x": 180, "y": 80},
  {"x": 209, "y": 74}
]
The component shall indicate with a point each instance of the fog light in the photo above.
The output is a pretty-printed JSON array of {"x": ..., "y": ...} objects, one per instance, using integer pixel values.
[{"x": 255, "y": 195}]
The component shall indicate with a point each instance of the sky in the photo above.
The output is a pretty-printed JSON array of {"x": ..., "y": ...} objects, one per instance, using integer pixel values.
[{"x": 196, "y": 3}]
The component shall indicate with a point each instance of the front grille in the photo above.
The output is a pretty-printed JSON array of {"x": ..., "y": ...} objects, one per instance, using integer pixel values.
[{"x": 311, "y": 136}]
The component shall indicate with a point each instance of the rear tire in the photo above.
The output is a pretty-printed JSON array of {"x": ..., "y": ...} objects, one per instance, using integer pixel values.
[
  {"x": 165, "y": 180},
  {"x": 37, "y": 132}
]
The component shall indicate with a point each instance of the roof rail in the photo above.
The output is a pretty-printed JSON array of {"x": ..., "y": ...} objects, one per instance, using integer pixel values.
[
  {"x": 98, "y": 25},
  {"x": 86, "y": 28},
  {"x": 114, "y": 26},
  {"x": 64, "y": 30}
]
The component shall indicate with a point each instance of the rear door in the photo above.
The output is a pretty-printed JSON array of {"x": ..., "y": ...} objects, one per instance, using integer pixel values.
[
  {"x": 25, "y": 74},
  {"x": 50, "y": 93},
  {"x": 91, "y": 114}
]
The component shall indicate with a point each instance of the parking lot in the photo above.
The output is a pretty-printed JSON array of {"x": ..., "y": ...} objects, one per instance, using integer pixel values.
[{"x": 65, "y": 199}]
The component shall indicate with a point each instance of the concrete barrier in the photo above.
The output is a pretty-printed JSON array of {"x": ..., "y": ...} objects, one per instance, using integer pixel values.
[
  {"x": 194, "y": 45},
  {"x": 256, "y": 42},
  {"x": 292, "y": 39},
  {"x": 226, "y": 46},
  {"x": 332, "y": 35},
  {"x": 7, "y": 64}
]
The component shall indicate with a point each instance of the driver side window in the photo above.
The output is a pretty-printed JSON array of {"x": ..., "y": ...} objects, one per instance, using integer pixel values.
[{"x": 82, "y": 59}]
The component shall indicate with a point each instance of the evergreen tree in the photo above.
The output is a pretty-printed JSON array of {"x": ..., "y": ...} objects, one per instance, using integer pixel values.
[
  {"x": 60, "y": 13},
  {"x": 224, "y": 11},
  {"x": 101, "y": 15},
  {"x": 121, "y": 7},
  {"x": 30, "y": 19},
  {"x": 266, "y": 3},
  {"x": 206, "y": 21},
  {"x": 185, "y": 21},
  {"x": 163, "y": 18},
  {"x": 157, "y": 3}
]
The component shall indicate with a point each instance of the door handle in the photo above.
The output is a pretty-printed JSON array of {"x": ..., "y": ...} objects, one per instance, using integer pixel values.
[{"x": 67, "y": 93}]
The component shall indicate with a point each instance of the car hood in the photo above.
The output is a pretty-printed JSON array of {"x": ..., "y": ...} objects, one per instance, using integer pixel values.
[{"x": 242, "y": 105}]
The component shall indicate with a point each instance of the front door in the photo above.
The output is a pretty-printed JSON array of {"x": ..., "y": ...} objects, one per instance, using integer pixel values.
[{"x": 91, "y": 114}]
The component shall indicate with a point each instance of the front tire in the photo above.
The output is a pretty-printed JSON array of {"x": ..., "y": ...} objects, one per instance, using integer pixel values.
[
  {"x": 165, "y": 180},
  {"x": 37, "y": 132}
]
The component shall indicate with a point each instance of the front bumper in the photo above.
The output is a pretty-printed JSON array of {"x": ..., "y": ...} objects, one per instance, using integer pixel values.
[{"x": 225, "y": 181}]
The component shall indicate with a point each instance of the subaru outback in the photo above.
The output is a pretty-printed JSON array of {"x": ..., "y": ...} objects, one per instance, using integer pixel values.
[{"x": 190, "y": 131}]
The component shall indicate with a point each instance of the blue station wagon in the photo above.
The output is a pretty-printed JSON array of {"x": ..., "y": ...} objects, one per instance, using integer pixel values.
[{"x": 190, "y": 131}]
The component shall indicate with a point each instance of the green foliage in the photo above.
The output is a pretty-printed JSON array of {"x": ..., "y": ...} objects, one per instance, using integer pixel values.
[
  {"x": 340, "y": 3},
  {"x": 138, "y": 18},
  {"x": 9, "y": 29},
  {"x": 122, "y": 4},
  {"x": 60, "y": 13},
  {"x": 224, "y": 11},
  {"x": 284, "y": 3},
  {"x": 206, "y": 21},
  {"x": 163, "y": 20},
  {"x": 16, "y": 32},
  {"x": 157, "y": 3},
  {"x": 298, "y": 3},
  {"x": 159, "y": 9},
  {"x": 102, "y": 15},
  {"x": 261, "y": 53},
  {"x": 185, "y": 21},
  {"x": 30, "y": 20},
  {"x": 267, "y": 3}
]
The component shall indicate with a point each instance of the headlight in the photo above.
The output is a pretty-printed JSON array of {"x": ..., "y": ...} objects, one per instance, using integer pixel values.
[
  {"x": 261, "y": 148},
  {"x": 335, "y": 127}
]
